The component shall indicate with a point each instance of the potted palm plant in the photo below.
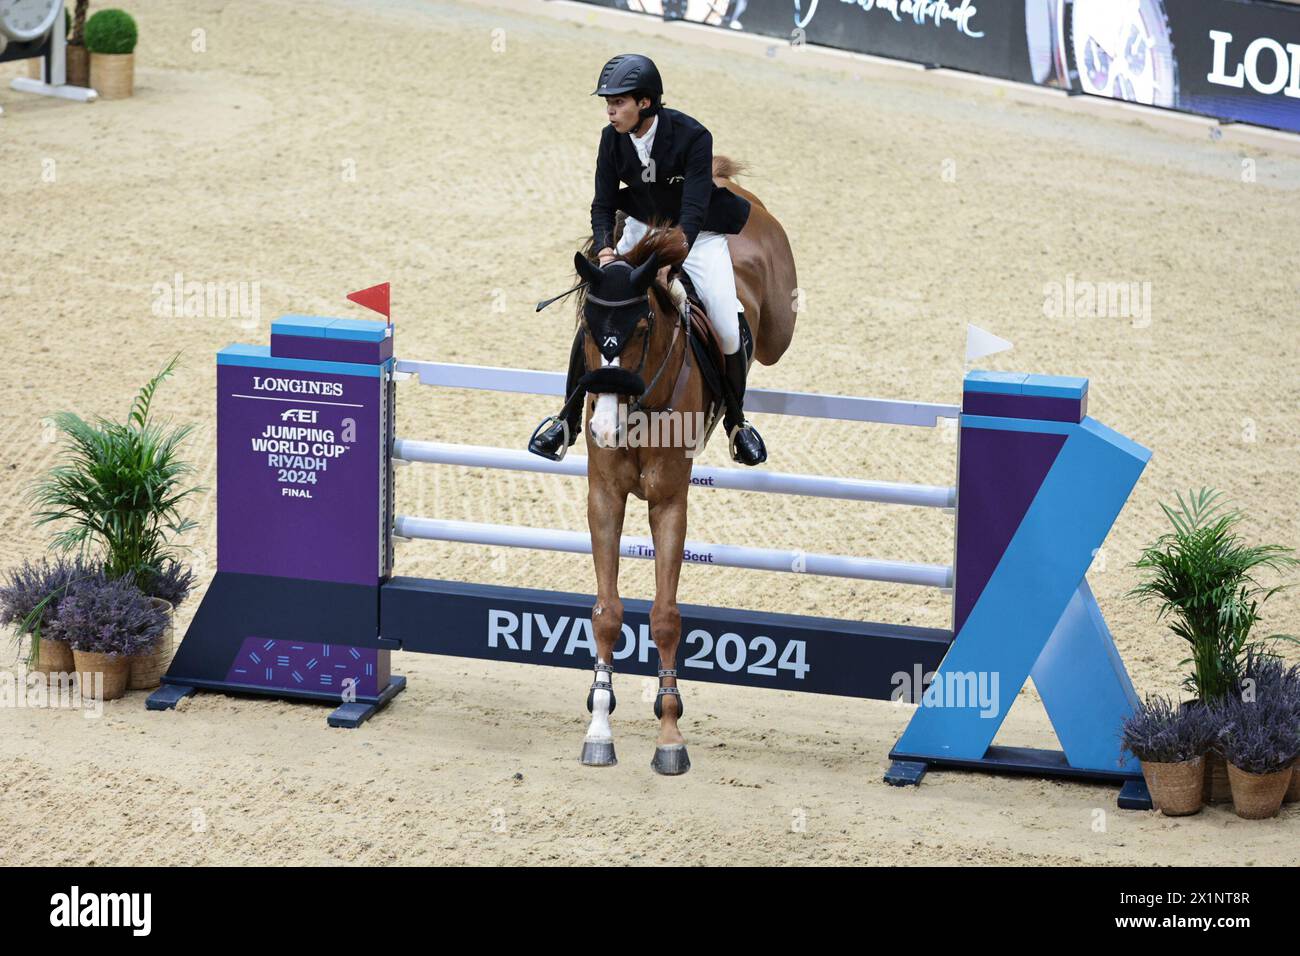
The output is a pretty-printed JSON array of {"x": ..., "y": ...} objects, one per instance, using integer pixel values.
[
  {"x": 106, "y": 622},
  {"x": 119, "y": 490},
  {"x": 111, "y": 36},
  {"x": 1203, "y": 579},
  {"x": 1171, "y": 743},
  {"x": 29, "y": 599}
]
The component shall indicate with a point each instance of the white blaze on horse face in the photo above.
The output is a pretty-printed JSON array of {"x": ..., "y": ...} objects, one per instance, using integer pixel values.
[{"x": 604, "y": 421}]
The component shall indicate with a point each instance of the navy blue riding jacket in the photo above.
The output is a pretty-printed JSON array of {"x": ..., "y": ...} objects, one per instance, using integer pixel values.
[{"x": 676, "y": 187}]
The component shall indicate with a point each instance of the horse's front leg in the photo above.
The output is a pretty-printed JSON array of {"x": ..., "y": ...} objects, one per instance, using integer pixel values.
[
  {"x": 668, "y": 527},
  {"x": 605, "y": 509}
]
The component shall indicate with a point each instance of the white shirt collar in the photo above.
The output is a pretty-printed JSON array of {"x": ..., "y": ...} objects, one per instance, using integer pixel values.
[{"x": 643, "y": 144}]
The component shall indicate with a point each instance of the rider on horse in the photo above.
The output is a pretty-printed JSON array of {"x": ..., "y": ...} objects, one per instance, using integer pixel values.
[{"x": 666, "y": 158}]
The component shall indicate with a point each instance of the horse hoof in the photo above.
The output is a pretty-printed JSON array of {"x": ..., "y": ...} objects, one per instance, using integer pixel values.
[
  {"x": 671, "y": 760},
  {"x": 598, "y": 753}
]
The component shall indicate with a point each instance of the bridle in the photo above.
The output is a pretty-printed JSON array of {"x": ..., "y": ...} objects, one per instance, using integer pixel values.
[
  {"x": 621, "y": 379},
  {"x": 637, "y": 404}
]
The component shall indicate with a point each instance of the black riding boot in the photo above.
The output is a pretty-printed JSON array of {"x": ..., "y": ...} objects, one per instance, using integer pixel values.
[
  {"x": 747, "y": 446},
  {"x": 553, "y": 436}
]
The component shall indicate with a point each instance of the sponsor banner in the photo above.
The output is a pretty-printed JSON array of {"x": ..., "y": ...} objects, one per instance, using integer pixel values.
[
  {"x": 1228, "y": 59},
  {"x": 721, "y": 645},
  {"x": 983, "y": 36},
  {"x": 1236, "y": 60}
]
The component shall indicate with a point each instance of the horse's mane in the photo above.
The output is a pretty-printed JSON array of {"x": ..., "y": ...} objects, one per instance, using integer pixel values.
[{"x": 668, "y": 241}]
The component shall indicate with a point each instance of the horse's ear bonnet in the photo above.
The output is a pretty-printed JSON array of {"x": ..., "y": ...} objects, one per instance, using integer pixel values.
[{"x": 616, "y": 300}]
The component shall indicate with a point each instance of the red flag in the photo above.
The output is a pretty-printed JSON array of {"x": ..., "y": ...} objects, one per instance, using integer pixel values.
[{"x": 374, "y": 298}]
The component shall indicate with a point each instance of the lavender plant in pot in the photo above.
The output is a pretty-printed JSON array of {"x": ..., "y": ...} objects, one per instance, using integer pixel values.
[
  {"x": 1267, "y": 678},
  {"x": 106, "y": 621},
  {"x": 29, "y": 599},
  {"x": 1204, "y": 580},
  {"x": 1171, "y": 742},
  {"x": 1260, "y": 742},
  {"x": 1293, "y": 693}
]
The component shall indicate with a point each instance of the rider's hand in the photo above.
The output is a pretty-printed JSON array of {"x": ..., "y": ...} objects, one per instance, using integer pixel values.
[{"x": 606, "y": 256}]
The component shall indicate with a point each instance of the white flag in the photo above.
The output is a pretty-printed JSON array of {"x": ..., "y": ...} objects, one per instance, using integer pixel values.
[{"x": 980, "y": 343}]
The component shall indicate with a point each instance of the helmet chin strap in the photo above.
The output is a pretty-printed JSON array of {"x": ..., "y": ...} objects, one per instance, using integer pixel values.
[{"x": 643, "y": 114}]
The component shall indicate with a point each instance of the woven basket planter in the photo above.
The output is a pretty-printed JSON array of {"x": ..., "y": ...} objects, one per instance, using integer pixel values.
[
  {"x": 53, "y": 657},
  {"x": 113, "y": 75},
  {"x": 1293, "y": 791},
  {"x": 1177, "y": 789},
  {"x": 115, "y": 669},
  {"x": 1218, "y": 789},
  {"x": 78, "y": 65},
  {"x": 147, "y": 669},
  {"x": 1258, "y": 796}
]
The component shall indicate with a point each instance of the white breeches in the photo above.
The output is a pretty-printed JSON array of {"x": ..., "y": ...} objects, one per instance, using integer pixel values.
[{"x": 709, "y": 266}]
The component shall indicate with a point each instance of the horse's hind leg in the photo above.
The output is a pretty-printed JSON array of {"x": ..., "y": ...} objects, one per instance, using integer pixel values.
[
  {"x": 668, "y": 528},
  {"x": 605, "y": 510}
]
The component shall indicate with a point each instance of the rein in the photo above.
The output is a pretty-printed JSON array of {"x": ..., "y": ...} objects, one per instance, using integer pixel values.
[
  {"x": 637, "y": 403},
  {"x": 672, "y": 344}
]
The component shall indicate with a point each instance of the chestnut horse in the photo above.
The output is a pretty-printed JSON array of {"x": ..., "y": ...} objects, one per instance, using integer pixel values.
[{"x": 637, "y": 360}]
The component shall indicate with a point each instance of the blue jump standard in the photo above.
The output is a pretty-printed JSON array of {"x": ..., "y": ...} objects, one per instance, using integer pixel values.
[{"x": 305, "y": 604}]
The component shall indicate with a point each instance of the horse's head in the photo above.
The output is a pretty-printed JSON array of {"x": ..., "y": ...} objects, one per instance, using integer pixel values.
[
  {"x": 629, "y": 318},
  {"x": 617, "y": 302}
]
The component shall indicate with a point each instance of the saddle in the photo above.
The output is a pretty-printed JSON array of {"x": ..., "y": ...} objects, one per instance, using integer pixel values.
[{"x": 704, "y": 349}]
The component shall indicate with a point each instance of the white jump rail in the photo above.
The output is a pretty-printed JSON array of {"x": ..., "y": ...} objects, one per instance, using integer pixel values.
[
  {"x": 885, "y": 411},
  {"x": 724, "y": 555},
  {"x": 702, "y": 476},
  {"x": 801, "y": 404}
]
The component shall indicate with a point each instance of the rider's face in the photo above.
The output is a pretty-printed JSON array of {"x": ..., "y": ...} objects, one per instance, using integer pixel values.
[{"x": 623, "y": 111}]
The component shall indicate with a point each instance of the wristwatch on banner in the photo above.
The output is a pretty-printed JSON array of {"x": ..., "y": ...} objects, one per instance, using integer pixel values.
[
  {"x": 1121, "y": 49},
  {"x": 25, "y": 20}
]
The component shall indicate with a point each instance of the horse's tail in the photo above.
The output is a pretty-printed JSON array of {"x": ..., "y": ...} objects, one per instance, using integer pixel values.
[
  {"x": 724, "y": 167},
  {"x": 727, "y": 169}
]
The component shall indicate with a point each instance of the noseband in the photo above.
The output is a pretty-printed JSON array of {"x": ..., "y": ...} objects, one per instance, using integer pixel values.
[{"x": 623, "y": 381}]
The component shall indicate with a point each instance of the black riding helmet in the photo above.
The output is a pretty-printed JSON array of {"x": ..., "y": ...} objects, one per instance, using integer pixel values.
[{"x": 632, "y": 73}]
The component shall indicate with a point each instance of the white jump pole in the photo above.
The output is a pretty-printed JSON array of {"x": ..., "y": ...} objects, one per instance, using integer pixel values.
[
  {"x": 704, "y": 476},
  {"x": 724, "y": 555},
  {"x": 886, "y": 411}
]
